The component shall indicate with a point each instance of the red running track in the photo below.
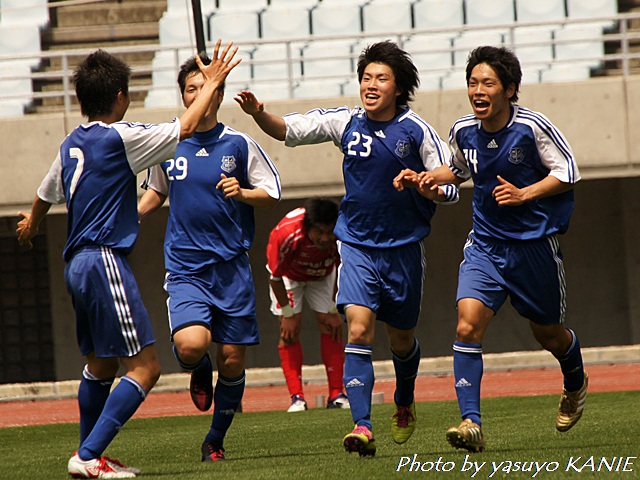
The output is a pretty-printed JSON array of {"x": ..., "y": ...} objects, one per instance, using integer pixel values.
[{"x": 602, "y": 378}]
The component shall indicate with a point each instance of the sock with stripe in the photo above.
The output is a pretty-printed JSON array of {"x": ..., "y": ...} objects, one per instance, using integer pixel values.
[
  {"x": 406, "y": 369},
  {"x": 226, "y": 399},
  {"x": 122, "y": 403},
  {"x": 332, "y": 353},
  {"x": 92, "y": 395},
  {"x": 467, "y": 371},
  {"x": 572, "y": 366},
  {"x": 358, "y": 382},
  {"x": 291, "y": 358}
]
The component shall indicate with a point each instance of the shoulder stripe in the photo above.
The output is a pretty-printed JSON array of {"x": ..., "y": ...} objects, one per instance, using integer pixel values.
[{"x": 428, "y": 129}]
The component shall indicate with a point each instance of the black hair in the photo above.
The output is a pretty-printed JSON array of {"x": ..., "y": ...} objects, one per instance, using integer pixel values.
[
  {"x": 98, "y": 79},
  {"x": 190, "y": 66},
  {"x": 319, "y": 211},
  {"x": 405, "y": 72},
  {"x": 503, "y": 61}
]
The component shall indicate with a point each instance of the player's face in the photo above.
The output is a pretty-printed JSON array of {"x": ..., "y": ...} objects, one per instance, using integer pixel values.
[
  {"x": 378, "y": 92},
  {"x": 322, "y": 236},
  {"x": 193, "y": 87},
  {"x": 489, "y": 99}
]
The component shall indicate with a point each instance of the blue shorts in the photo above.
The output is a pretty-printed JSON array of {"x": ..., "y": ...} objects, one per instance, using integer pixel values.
[
  {"x": 388, "y": 281},
  {"x": 530, "y": 272},
  {"x": 222, "y": 298},
  {"x": 111, "y": 320}
]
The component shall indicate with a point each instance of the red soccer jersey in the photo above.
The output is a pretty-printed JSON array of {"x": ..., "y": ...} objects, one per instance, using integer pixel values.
[{"x": 292, "y": 254}]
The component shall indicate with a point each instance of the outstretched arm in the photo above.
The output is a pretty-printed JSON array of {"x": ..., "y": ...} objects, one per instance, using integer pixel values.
[
  {"x": 271, "y": 124},
  {"x": 28, "y": 226},
  {"x": 214, "y": 74}
]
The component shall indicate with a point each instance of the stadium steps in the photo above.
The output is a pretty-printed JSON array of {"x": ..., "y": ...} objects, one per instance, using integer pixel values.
[
  {"x": 614, "y": 68},
  {"x": 102, "y": 25}
]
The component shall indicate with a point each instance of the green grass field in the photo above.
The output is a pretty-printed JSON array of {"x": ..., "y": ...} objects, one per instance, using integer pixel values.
[{"x": 278, "y": 445}]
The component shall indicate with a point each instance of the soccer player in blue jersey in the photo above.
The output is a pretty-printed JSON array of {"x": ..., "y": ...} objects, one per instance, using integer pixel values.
[
  {"x": 214, "y": 181},
  {"x": 380, "y": 230},
  {"x": 523, "y": 173},
  {"x": 95, "y": 173}
]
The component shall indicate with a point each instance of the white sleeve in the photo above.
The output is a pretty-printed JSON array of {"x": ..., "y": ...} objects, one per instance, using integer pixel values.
[
  {"x": 261, "y": 171},
  {"x": 555, "y": 153},
  {"x": 457, "y": 162},
  {"x": 148, "y": 144},
  {"x": 316, "y": 126},
  {"x": 51, "y": 189},
  {"x": 157, "y": 180}
]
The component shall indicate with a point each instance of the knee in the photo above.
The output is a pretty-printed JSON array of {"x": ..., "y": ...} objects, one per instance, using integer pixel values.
[
  {"x": 360, "y": 335},
  {"x": 191, "y": 353},
  {"x": 468, "y": 333}
]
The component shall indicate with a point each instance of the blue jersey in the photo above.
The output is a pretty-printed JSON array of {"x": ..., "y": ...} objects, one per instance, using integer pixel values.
[
  {"x": 373, "y": 213},
  {"x": 204, "y": 227},
  {"x": 525, "y": 151},
  {"x": 95, "y": 173}
]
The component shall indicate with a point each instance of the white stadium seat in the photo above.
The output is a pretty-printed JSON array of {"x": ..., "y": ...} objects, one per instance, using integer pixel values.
[
  {"x": 566, "y": 73},
  {"x": 469, "y": 40},
  {"x": 592, "y": 9},
  {"x": 327, "y": 57},
  {"x": 438, "y": 14},
  {"x": 549, "y": 11},
  {"x": 580, "y": 42},
  {"x": 24, "y": 12},
  {"x": 533, "y": 45},
  {"x": 384, "y": 16},
  {"x": 317, "y": 89},
  {"x": 270, "y": 62},
  {"x": 239, "y": 26},
  {"x": 429, "y": 52},
  {"x": 490, "y": 12},
  {"x": 336, "y": 19},
  {"x": 285, "y": 22},
  {"x": 21, "y": 40}
]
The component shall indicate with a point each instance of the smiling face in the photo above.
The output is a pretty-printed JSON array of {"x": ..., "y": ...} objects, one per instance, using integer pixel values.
[
  {"x": 488, "y": 98},
  {"x": 378, "y": 91},
  {"x": 193, "y": 86}
]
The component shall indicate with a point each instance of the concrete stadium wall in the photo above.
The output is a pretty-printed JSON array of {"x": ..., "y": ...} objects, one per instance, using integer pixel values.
[{"x": 601, "y": 256}]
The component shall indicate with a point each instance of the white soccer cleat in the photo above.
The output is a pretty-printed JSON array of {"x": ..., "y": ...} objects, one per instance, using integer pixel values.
[{"x": 95, "y": 468}]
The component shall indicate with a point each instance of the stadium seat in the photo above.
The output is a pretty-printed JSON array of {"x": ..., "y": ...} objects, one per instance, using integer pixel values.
[
  {"x": 15, "y": 81},
  {"x": 176, "y": 30},
  {"x": 565, "y": 73},
  {"x": 490, "y": 12},
  {"x": 24, "y": 12},
  {"x": 549, "y": 11},
  {"x": 592, "y": 9},
  {"x": 165, "y": 65},
  {"x": 239, "y": 26},
  {"x": 294, "y": 3},
  {"x": 270, "y": 62},
  {"x": 336, "y": 19},
  {"x": 163, "y": 98},
  {"x": 268, "y": 91},
  {"x": 321, "y": 58},
  {"x": 21, "y": 40},
  {"x": 533, "y": 45},
  {"x": 580, "y": 43},
  {"x": 285, "y": 22},
  {"x": 456, "y": 80},
  {"x": 469, "y": 40},
  {"x": 531, "y": 75},
  {"x": 317, "y": 89},
  {"x": 429, "y": 52},
  {"x": 351, "y": 87},
  {"x": 384, "y": 16},
  {"x": 236, "y": 5},
  {"x": 438, "y": 14},
  {"x": 430, "y": 81}
]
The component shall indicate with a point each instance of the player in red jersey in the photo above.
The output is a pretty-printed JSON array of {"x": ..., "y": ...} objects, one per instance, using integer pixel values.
[{"x": 302, "y": 259}]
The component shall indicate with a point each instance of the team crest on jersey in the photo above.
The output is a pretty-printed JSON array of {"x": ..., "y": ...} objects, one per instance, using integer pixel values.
[
  {"x": 516, "y": 155},
  {"x": 402, "y": 148},
  {"x": 228, "y": 163}
]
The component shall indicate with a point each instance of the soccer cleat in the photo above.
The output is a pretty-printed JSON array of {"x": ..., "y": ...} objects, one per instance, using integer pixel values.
[
  {"x": 403, "y": 423},
  {"x": 468, "y": 436},
  {"x": 360, "y": 440},
  {"x": 211, "y": 453},
  {"x": 95, "y": 468},
  {"x": 298, "y": 404},
  {"x": 117, "y": 465},
  {"x": 201, "y": 386},
  {"x": 339, "y": 401},
  {"x": 571, "y": 406}
]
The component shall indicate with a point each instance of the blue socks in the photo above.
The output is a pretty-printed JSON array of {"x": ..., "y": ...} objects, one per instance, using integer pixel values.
[
  {"x": 227, "y": 396},
  {"x": 119, "y": 407},
  {"x": 571, "y": 365},
  {"x": 358, "y": 382},
  {"x": 92, "y": 395},
  {"x": 467, "y": 370},
  {"x": 406, "y": 372}
]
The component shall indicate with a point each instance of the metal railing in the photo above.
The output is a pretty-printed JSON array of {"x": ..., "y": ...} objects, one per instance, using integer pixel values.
[{"x": 619, "y": 41}]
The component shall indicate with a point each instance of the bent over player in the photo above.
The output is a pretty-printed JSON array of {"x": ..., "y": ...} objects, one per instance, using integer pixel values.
[
  {"x": 380, "y": 230},
  {"x": 302, "y": 258},
  {"x": 214, "y": 181},
  {"x": 95, "y": 173},
  {"x": 523, "y": 173}
]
